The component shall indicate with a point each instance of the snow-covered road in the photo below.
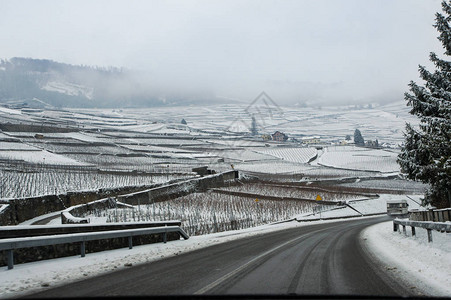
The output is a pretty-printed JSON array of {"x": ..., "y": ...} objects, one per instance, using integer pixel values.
[{"x": 412, "y": 258}]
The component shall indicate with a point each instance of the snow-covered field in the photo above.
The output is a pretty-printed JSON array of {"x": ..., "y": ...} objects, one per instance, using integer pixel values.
[
  {"x": 267, "y": 189},
  {"x": 358, "y": 158},
  {"x": 363, "y": 207},
  {"x": 39, "y": 157},
  {"x": 154, "y": 141},
  {"x": 299, "y": 155},
  {"x": 204, "y": 213},
  {"x": 30, "y": 183},
  {"x": 9, "y": 146},
  {"x": 389, "y": 184},
  {"x": 275, "y": 167}
]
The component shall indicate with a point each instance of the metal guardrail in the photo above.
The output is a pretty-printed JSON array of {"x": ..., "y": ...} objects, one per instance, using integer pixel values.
[
  {"x": 429, "y": 226},
  {"x": 434, "y": 215},
  {"x": 9, "y": 245}
]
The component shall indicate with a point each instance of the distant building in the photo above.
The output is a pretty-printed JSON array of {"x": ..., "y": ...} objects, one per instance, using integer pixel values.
[
  {"x": 372, "y": 144},
  {"x": 202, "y": 171},
  {"x": 311, "y": 140},
  {"x": 279, "y": 136},
  {"x": 266, "y": 137}
]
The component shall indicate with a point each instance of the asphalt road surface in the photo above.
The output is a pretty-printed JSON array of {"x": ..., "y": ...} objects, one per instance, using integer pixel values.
[{"x": 320, "y": 259}]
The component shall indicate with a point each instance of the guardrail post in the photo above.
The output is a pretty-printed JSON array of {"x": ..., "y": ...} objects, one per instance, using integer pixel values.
[
  {"x": 395, "y": 226},
  {"x": 82, "y": 238},
  {"x": 429, "y": 235},
  {"x": 10, "y": 255},
  {"x": 83, "y": 249},
  {"x": 413, "y": 231}
]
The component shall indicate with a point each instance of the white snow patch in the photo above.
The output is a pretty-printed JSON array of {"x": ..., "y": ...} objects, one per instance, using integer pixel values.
[
  {"x": 68, "y": 88},
  {"x": 39, "y": 157},
  {"x": 3, "y": 207},
  {"x": 298, "y": 155},
  {"x": 424, "y": 266},
  {"x": 357, "y": 158},
  {"x": 82, "y": 137},
  {"x": 4, "y": 146},
  {"x": 4, "y": 110}
]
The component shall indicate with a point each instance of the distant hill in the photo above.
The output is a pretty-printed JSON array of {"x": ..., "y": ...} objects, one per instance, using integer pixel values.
[{"x": 45, "y": 83}]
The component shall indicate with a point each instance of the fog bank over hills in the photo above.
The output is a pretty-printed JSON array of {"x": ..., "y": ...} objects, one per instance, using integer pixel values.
[
  {"x": 314, "y": 53},
  {"x": 46, "y": 83},
  {"x": 49, "y": 83}
]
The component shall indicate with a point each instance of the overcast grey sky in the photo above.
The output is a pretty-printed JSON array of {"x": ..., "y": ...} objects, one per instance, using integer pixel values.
[{"x": 311, "y": 50}]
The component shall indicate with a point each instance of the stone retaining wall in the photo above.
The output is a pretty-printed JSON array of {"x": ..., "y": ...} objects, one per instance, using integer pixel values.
[
  {"x": 23, "y": 209},
  {"x": 179, "y": 189},
  {"x": 20, "y": 210},
  {"x": 158, "y": 194}
]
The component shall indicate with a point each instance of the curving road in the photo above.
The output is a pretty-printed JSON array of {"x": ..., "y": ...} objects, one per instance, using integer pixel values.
[{"x": 321, "y": 259}]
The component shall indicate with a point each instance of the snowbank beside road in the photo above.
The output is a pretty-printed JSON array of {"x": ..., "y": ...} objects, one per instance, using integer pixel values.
[{"x": 424, "y": 266}]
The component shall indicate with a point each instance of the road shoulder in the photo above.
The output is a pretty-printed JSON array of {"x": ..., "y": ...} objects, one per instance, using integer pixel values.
[{"x": 411, "y": 261}]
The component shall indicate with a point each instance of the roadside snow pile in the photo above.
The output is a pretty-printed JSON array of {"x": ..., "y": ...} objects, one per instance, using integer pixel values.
[{"x": 425, "y": 267}]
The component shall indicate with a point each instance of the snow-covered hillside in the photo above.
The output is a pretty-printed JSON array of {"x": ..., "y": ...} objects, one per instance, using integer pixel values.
[{"x": 68, "y": 88}]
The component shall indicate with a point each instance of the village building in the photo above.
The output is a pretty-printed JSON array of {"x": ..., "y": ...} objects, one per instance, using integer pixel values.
[
  {"x": 279, "y": 136},
  {"x": 266, "y": 137},
  {"x": 372, "y": 144},
  {"x": 311, "y": 140}
]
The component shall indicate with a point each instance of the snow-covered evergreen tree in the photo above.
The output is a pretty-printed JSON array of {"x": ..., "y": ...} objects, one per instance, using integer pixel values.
[
  {"x": 426, "y": 152},
  {"x": 358, "y": 138},
  {"x": 254, "y": 130}
]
